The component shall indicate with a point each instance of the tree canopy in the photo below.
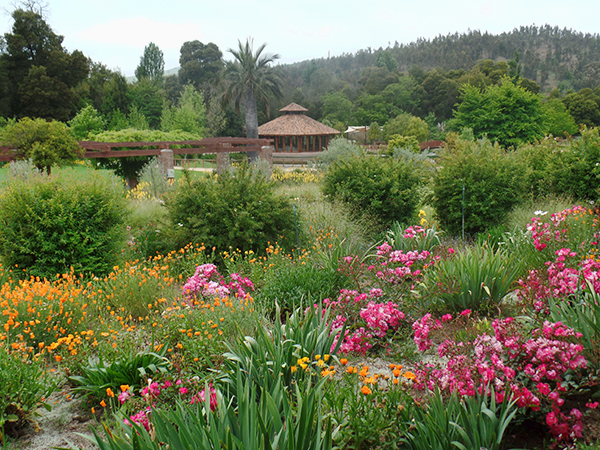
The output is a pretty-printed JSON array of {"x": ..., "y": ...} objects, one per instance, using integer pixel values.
[
  {"x": 39, "y": 74},
  {"x": 505, "y": 113},
  {"x": 152, "y": 64}
]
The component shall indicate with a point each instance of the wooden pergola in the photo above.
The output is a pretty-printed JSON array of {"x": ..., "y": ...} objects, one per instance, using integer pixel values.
[{"x": 296, "y": 132}]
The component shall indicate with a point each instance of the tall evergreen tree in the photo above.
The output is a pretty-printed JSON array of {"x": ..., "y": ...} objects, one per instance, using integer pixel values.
[{"x": 152, "y": 64}]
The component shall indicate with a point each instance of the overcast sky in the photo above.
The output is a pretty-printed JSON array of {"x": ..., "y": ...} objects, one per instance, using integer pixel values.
[{"x": 115, "y": 32}]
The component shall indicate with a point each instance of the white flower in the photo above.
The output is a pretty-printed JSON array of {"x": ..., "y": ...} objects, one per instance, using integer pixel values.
[
  {"x": 180, "y": 224},
  {"x": 540, "y": 213}
]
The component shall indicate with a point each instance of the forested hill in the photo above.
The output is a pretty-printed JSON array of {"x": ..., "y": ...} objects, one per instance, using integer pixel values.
[{"x": 550, "y": 56}]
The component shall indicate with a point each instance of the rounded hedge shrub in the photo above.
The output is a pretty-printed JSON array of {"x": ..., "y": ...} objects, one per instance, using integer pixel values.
[
  {"x": 494, "y": 183},
  {"x": 237, "y": 209},
  {"x": 383, "y": 189},
  {"x": 49, "y": 224}
]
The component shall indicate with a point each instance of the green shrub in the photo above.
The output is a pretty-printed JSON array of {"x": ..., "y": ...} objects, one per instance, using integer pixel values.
[
  {"x": 50, "y": 224},
  {"x": 87, "y": 121},
  {"x": 236, "y": 210},
  {"x": 45, "y": 143},
  {"x": 493, "y": 180},
  {"x": 338, "y": 148},
  {"x": 575, "y": 169},
  {"x": 403, "y": 142},
  {"x": 384, "y": 188},
  {"x": 23, "y": 388}
]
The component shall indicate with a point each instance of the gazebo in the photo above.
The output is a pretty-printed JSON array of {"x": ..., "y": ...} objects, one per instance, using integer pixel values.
[{"x": 296, "y": 132}]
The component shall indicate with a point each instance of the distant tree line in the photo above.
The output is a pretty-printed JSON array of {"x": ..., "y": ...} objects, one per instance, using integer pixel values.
[{"x": 421, "y": 90}]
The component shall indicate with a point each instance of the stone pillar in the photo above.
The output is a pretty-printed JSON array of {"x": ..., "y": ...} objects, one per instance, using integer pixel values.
[
  {"x": 223, "y": 160},
  {"x": 266, "y": 154},
  {"x": 167, "y": 164}
]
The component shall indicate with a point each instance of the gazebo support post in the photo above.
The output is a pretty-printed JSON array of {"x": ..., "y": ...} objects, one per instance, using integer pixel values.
[
  {"x": 266, "y": 154},
  {"x": 223, "y": 160}
]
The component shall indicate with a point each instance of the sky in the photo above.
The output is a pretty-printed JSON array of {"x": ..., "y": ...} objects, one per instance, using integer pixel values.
[{"x": 115, "y": 32}]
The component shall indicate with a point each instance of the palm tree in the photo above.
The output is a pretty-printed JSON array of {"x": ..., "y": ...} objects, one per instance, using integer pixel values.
[{"x": 251, "y": 78}]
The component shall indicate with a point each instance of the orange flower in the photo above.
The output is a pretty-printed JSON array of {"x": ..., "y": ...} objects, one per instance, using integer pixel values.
[
  {"x": 93, "y": 411},
  {"x": 409, "y": 376},
  {"x": 343, "y": 361},
  {"x": 109, "y": 392},
  {"x": 350, "y": 369},
  {"x": 103, "y": 404},
  {"x": 396, "y": 373},
  {"x": 365, "y": 390},
  {"x": 58, "y": 358},
  {"x": 124, "y": 387},
  {"x": 395, "y": 381},
  {"x": 392, "y": 366}
]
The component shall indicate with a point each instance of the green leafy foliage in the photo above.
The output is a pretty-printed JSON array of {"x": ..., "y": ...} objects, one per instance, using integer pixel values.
[
  {"x": 254, "y": 419},
  {"x": 152, "y": 64},
  {"x": 493, "y": 180},
  {"x": 23, "y": 389},
  {"x": 290, "y": 283},
  {"x": 87, "y": 121},
  {"x": 50, "y": 224},
  {"x": 130, "y": 166},
  {"x": 406, "y": 125},
  {"x": 508, "y": 114},
  {"x": 189, "y": 115},
  {"x": 582, "y": 314},
  {"x": 237, "y": 209},
  {"x": 384, "y": 188},
  {"x": 45, "y": 143},
  {"x": 476, "y": 278},
  {"x": 338, "y": 148},
  {"x": 472, "y": 423},
  {"x": 403, "y": 142},
  {"x": 131, "y": 370},
  {"x": 273, "y": 356}
]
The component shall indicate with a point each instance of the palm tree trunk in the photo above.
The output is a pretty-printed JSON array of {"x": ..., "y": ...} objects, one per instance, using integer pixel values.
[{"x": 251, "y": 122}]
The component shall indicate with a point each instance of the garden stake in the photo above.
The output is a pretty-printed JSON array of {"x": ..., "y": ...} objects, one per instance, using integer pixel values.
[
  {"x": 463, "y": 214},
  {"x": 296, "y": 223}
]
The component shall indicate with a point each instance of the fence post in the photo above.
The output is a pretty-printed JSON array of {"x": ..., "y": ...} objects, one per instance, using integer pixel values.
[
  {"x": 223, "y": 160},
  {"x": 266, "y": 154},
  {"x": 167, "y": 163}
]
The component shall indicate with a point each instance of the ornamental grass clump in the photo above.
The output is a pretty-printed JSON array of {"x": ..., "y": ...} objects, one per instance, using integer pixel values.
[{"x": 476, "y": 278}]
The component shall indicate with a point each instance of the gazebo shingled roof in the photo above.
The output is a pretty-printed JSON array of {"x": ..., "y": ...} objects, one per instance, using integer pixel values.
[{"x": 295, "y": 125}]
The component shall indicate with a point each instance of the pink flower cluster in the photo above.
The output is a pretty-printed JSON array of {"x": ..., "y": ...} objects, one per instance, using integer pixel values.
[
  {"x": 208, "y": 282},
  {"x": 543, "y": 233},
  {"x": 380, "y": 317},
  {"x": 352, "y": 306},
  {"x": 529, "y": 368},
  {"x": 566, "y": 275},
  {"x": 396, "y": 267},
  {"x": 153, "y": 393},
  {"x": 413, "y": 231},
  {"x": 422, "y": 328}
]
